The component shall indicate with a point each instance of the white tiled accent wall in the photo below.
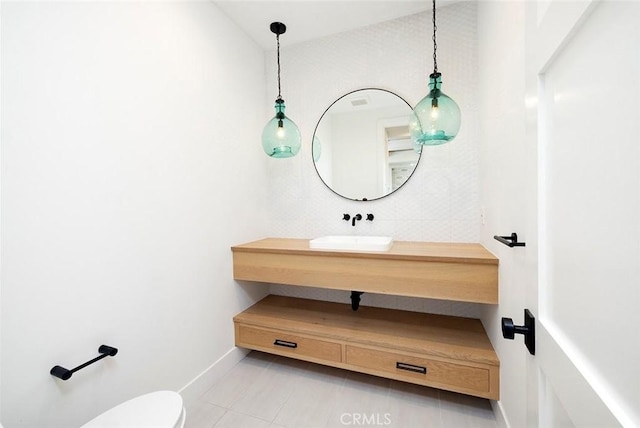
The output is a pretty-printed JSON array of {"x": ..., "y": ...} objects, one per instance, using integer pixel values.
[{"x": 440, "y": 202}]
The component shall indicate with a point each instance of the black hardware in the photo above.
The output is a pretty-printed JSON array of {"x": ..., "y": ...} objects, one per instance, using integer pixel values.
[
  {"x": 511, "y": 241},
  {"x": 411, "y": 367},
  {"x": 528, "y": 330},
  {"x": 65, "y": 374},
  {"x": 355, "y": 218},
  {"x": 285, "y": 343},
  {"x": 278, "y": 28},
  {"x": 346, "y": 217},
  {"x": 370, "y": 217},
  {"x": 355, "y": 299}
]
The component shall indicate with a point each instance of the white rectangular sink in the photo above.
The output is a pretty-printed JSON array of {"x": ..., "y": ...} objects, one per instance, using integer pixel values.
[{"x": 353, "y": 243}]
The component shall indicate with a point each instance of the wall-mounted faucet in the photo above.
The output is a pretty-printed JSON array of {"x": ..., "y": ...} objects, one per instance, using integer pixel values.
[{"x": 355, "y": 218}]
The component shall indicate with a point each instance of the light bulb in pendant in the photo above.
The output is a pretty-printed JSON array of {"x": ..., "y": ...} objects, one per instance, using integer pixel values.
[
  {"x": 434, "y": 109},
  {"x": 280, "y": 132}
]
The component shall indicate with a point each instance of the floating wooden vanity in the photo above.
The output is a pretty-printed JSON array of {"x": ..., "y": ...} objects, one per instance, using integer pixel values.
[
  {"x": 445, "y": 352},
  {"x": 461, "y": 272}
]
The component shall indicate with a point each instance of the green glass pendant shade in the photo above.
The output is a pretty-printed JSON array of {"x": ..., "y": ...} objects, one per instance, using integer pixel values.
[
  {"x": 281, "y": 137},
  {"x": 436, "y": 118}
]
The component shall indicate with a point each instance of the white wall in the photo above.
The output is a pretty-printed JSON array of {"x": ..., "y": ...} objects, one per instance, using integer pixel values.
[
  {"x": 124, "y": 182},
  {"x": 441, "y": 201},
  {"x": 504, "y": 183},
  {"x": 1, "y": 231}
]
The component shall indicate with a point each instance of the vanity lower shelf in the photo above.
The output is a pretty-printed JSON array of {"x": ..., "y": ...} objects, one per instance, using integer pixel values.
[{"x": 444, "y": 352}]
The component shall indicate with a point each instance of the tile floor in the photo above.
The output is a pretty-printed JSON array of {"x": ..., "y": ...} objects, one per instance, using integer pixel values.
[{"x": 265, "y": 391}]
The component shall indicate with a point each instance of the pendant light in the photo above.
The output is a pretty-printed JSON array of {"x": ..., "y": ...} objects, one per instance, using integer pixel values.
[
  {"x": 280, "y": 137},
  {"x": 436, "y": 118}
]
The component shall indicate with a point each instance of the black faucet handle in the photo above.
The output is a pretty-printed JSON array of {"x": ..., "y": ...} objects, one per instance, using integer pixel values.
[
  {"x": 370, "y": 217},
  {"x": 346, "y": 217}
]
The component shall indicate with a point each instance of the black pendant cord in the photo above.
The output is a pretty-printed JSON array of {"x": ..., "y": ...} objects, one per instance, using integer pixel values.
[
  {"x": 435, "y": 45},
  {"x": 278, "y": 49}
]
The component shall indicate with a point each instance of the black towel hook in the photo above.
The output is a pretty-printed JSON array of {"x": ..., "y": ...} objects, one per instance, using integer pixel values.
[
  {"x": 65, "y": 374},
  {"x": 511, "y": 241}
]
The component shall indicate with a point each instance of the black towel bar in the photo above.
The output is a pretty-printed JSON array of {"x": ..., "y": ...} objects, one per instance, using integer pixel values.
[
  {"x": 65, "y": 374},
  {"x": 511, "y": 241}
]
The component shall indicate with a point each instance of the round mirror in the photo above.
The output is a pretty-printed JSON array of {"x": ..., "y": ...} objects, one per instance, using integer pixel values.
[{"x": 362, "y": 148}]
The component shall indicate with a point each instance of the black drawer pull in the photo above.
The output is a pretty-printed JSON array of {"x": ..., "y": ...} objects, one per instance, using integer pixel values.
[
  {"x": 411, "y": 368},
  {"x": 286, "y": 344}
]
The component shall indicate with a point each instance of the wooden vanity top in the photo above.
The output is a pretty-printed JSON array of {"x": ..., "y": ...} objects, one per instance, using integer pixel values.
[
  {"x": 401, "y": 250},
  {"x": 451, "y": 271}
]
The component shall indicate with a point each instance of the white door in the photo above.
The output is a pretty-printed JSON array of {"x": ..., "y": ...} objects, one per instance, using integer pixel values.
[{"x": 583, "y": 80}]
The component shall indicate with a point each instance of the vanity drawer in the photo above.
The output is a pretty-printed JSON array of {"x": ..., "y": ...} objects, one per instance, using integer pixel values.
[
  {"x": 424, "y": 371},
  {"x": 290, "y": 345}
]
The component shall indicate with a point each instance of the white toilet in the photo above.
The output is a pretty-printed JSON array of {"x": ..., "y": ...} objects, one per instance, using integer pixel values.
[{"x": 160, "y": 409}]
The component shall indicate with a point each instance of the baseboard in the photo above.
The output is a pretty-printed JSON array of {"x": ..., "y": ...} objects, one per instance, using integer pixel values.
[
  {"x": 201, "y": 383},
  {"x": 498, "y": 411}
]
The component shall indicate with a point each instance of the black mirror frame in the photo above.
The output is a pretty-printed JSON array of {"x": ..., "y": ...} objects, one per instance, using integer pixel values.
[{"x": 316, "y": 130}]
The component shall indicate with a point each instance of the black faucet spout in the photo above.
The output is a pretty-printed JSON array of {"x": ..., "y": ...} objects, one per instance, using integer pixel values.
[{"x": 355, "y": 218}]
